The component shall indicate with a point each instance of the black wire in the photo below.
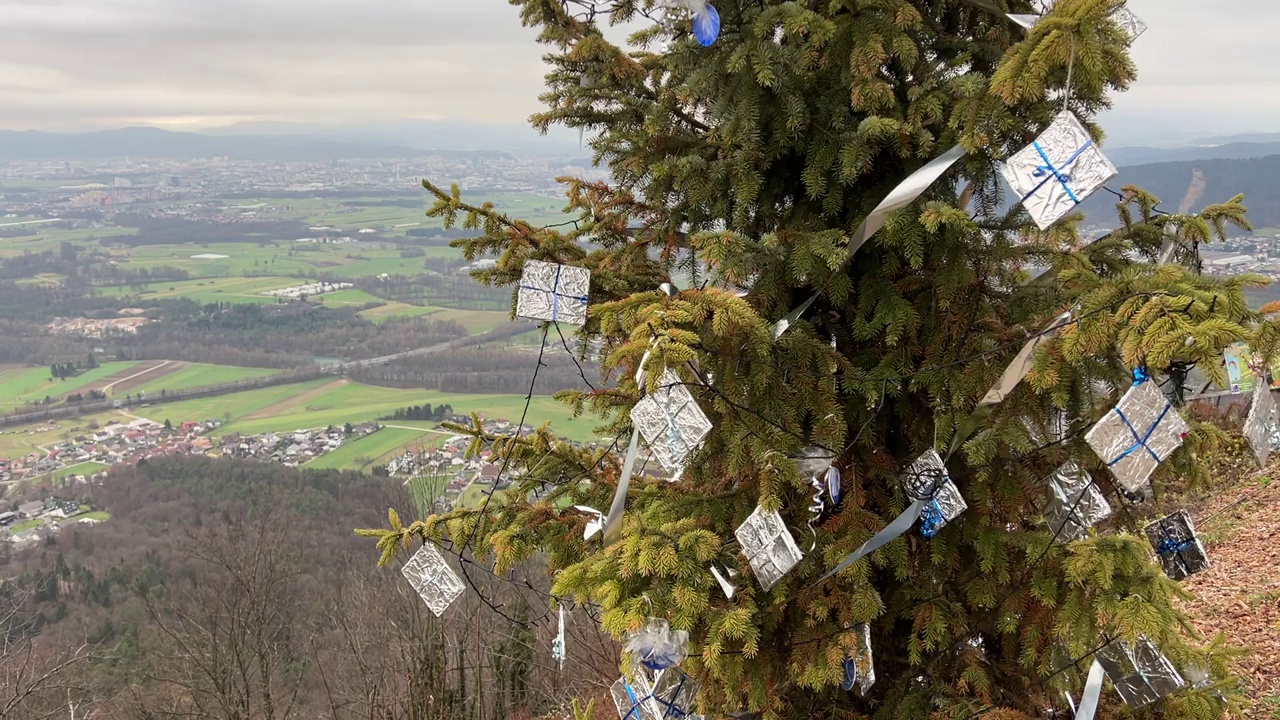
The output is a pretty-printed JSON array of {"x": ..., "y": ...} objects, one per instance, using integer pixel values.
[
  {"x": 506, "y": 460},
  {"x": 573, "y": 356}
]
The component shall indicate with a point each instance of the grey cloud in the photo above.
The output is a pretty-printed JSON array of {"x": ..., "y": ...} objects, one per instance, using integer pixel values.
[{"x": 68, "y": 63}]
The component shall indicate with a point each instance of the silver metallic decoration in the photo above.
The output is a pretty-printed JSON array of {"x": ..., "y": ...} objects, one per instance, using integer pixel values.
[
  {"x": 671, "y": 422},
  {"x": 1131, "y": 25},
  {"x": 1022, "y": 363},
  {"x": 669, "y": 696},
  {"x": 658, "y": 647},
  {"x": 815, "y": 465},
  {"x": 1057, "y": 171},
  {"x": 927, "y": 479},
  {"x": 859, "y": 668},
  {"x": 1176, "y": 544},
  {"x": 1261, "y": 423},
  {"x": 557, "y": 645},
  {"x": 727, "y": 587},
  {"x": 437, "y": 584},
  {"x": 1140, "y": 672},
  {"x": 594, "y": 525},
  {"x": 1053, "y": 430},
  {"x": 768, "y": 546},
  {"x": 553, "y": 292},
  {"x": 1075, "y": 503},
  {"x": 906, "y": 192},
  {"x": 1137, "y": 435}
]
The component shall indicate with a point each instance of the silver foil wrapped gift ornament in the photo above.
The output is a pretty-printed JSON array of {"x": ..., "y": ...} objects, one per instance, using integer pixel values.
[
  {"x": 671, "y": 422},
  {"x": 1057, "y": 171},
  {"x": 928, "y": 480},
  {"x": 553, "y": 292},
  {"x": 859, "y": 667},
  {"x": 669, "y": 696},
  {"x": 1139, "y": 672},
  {"x": 768, "y": 546},
  {"x": 658, "y": 647},
  {"x": 1260, "y": 426},
  {"x": 437, "y": 584},
  {"x": 1074, "y": 505},
  {"x": 1176, "y": 544},
  {"x": 1130, "y": 24},
  {"x": 1137, "y": 435}
]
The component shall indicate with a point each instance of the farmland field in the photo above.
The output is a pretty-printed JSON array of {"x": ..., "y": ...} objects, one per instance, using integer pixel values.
[
  {"x": 325, "y": 402},
  {"x": 20, "y": 385},
  {"x": 375, "y": 449},
  {"x": 192, "y": 375},
  {"x": 395, "y": 310},
  {"x": 209, "y": 290}
]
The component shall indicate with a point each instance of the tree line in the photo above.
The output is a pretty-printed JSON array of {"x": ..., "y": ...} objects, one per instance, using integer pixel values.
[
  {"x": 267, "y": 608},
  {"x": 421, "y": 412}
]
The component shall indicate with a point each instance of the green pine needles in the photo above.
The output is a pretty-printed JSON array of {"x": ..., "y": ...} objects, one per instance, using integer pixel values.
[{"x": 749, "y": 164}]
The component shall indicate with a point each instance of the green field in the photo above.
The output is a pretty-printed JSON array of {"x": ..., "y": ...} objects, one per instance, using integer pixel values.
[
  {"x": 395, "y": 310},
  {"x": 99, "y": 515},
  {"x": 197, "y": 375},
  {"x": 373, "y": 449},
  {"x": 209, "y": 290},
  {"x": 325, "y": 402},
  {"x": 20, "y": 385},
  {"x": 350, "y": 296},
  {"x": 475, "y": 321},
  {"x": 233, "y": 406},
  {"x": 85, "y": 468}
]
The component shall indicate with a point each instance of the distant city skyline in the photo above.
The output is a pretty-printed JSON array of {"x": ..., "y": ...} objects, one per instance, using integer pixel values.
[{"x": 95, "y": 64}]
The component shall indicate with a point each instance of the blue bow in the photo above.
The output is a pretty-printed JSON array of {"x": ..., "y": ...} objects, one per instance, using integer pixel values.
[
  {"x": 1169, "y": 546},
  {"x": 1140, "y": 375},
  {"x": 932, "y": 519},
  {"x": 556, "y": 295},
  {"x": 1049, "y": 172},
  {"x": 1141, "y": 440}
]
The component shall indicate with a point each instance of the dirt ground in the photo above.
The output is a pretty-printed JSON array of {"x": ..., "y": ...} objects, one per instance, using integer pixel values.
[{"x": 1240, "y": 594}]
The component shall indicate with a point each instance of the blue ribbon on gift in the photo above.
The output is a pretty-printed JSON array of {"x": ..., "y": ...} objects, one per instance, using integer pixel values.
[
  {"x": 1169, "y": 546},
  {"x": 932, "y": 520},
  {"x": 1140, "y": 375},
  {"x": 672, "y": 710},
  {"x": 556, "y": 295},
  {"x": 1049, "y": 172},
  {"x": 1141, "y": 440}
]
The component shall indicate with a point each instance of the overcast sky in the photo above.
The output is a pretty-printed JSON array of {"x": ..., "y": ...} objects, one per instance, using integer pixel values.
[{"x": 77, "y": 64}]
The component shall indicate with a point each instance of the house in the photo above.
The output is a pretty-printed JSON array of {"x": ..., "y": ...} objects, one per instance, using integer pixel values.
[
  {"x": 8, "y": 518},
  {"x": 31, "y": 509}
]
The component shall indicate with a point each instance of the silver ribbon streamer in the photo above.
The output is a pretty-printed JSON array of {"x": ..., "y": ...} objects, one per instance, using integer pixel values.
[
  {"x": 816, "y": 507},
  {"x": 613, "y": 523},
  {"x": 901, "y": 196},
  {"x": 1092, "y": 692},
  {"x": 900, "y": 525},
  {"x": 595, "y": 525},
  {"x": 727, "y": 587},
  {"x": 557, "y": 645},
  {"x": 1022, "y": 364}
]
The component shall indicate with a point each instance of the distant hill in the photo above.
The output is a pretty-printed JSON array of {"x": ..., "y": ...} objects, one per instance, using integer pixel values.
[
  {"x": 1257, "y": 178},
  {"x": 1123, "y": 156},
  {"x": 157, "y": 143}
]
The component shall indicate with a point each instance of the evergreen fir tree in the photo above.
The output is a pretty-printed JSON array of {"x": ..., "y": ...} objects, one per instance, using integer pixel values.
[{"x": 747, "y": 165}]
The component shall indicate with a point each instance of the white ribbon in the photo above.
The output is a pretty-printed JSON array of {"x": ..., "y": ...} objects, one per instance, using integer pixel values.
[
  {"x": 901, "y": 196},
  {"x": 900, "y": 525},
  {"x": 1092, "y": 692},
  {"x": 727, "y": 587},
  {"x": 594, "y": 526},
  {"x": 1022, "y": 364}
]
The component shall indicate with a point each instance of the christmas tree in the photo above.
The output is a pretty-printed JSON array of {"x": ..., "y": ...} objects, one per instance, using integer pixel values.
[{"x": 744, "y": 174}]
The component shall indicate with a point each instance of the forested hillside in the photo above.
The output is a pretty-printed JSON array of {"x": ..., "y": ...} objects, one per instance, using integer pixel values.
[
  {"x": 1257, "y": 178},
  {"x": 238, "y": 590}
]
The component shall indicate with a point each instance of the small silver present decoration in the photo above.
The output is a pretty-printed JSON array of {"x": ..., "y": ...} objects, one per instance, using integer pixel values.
[
  {"x": 437, "y": 584},
  {"x": 553, "y": 292},
  {"x": 1074, "y": 505},
  {"x": 1260, "y": 426},
  {"x": 1140, "y": 672},
  {"x": 669, "y": 696},
  {"x": 768, "y": 546},
  {"x": 859, "y": 668},
  {"x": 1176, "y": 544},
  {"x": 671, "y": 422},
  {"x": 928, "y": 479},
  {"x": 1057, "y": 171},
  {"x": 1130, "y": 24},
  {"x": 1137, "y": 435}
]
